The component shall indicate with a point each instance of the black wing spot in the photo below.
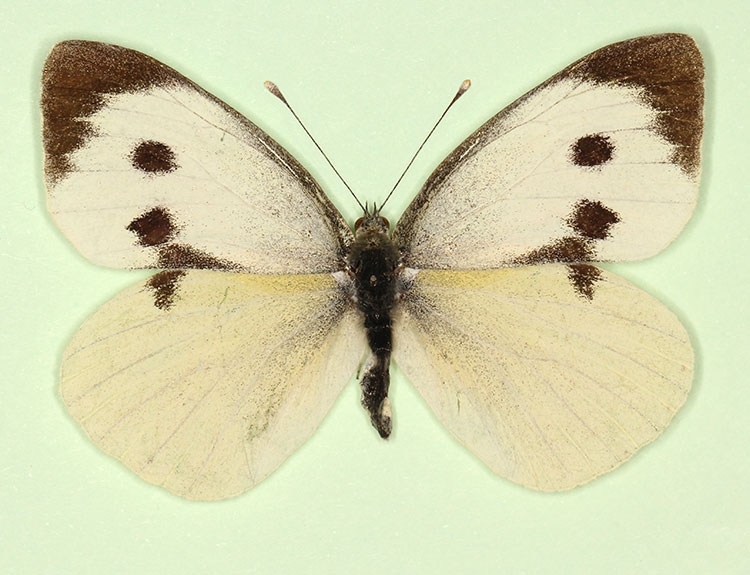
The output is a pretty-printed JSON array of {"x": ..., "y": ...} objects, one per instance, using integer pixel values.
[
  {"x": 583, "y": 278},
  {"x": 564, "y": 250},
  {"x": 164, "y": 286},
  {"x": 157, "y": 228},
  {"x": 154, "y": 227},
  {"x": 184, "y": 256},
  {"x": 154, "y": 158},
  {"x": 592, "y": 220},
  {"x": 592, "y": 150}
]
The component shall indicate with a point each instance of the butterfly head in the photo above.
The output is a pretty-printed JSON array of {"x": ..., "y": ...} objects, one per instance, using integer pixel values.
[{"x": 371, "y": 221}]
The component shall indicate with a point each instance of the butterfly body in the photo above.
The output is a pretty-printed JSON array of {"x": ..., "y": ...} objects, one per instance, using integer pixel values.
[
  {"x": 374, "y": 265},
  {"x": 204, "y": 378}
]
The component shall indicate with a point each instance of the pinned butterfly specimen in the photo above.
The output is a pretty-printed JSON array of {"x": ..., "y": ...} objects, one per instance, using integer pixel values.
[{"x": 208, "y": 375}]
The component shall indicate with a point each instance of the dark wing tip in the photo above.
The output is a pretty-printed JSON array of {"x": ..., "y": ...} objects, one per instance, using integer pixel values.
[
  {"x": 669, "y": 68},
  {"x": 77, "y": 76}
]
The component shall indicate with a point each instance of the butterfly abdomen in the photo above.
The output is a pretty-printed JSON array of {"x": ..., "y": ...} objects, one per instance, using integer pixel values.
[{"x": 372, "y": 264}]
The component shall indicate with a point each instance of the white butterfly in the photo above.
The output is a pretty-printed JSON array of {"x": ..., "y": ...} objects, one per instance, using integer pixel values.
[{"x": 208, "y": 375}]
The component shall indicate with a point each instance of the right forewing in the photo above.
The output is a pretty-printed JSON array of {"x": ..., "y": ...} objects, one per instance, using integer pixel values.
[{"x": 599, "y": 163}]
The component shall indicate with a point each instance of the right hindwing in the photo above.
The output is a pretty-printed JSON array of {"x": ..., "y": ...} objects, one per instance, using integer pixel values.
[{"x": 548, "y": 388}]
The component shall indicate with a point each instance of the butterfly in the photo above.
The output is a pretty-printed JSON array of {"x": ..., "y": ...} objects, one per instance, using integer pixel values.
[{"x": 206, "y": 376}]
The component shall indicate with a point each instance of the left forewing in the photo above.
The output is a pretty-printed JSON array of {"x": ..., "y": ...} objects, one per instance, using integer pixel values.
[
  {"x": 548, "y": 387},
  {"x": 145, "y": 169}
]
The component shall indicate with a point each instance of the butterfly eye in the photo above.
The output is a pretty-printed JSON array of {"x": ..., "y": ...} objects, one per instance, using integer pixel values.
[{"x": 358, "y": 223}]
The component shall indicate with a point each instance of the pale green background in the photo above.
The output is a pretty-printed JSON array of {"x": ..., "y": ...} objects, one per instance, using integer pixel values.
[{"x": 370, "y": 78}]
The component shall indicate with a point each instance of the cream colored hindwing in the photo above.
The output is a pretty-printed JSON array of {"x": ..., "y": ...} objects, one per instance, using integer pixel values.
[
  {"x": 549, "y": 388},
  {"x": 204, "y": 382}
]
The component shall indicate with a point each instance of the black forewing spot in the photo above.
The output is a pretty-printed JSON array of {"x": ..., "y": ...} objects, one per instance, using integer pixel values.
[
  {"x": 154, "y": 157},
  {"x": 592, "y": 151},
  {"x": 592, "y": 219},
  {"x": 154, "y": 227},
  {"x": 590, "y": 222}
]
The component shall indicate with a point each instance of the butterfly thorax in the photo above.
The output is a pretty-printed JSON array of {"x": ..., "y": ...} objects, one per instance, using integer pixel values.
[{"x": 372, "y": 264}]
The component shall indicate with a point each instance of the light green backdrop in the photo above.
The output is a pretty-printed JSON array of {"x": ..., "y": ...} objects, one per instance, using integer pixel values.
[{"x": 369, "y": 79}]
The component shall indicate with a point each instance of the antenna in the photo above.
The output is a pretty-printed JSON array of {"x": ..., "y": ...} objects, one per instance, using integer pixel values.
[
  {"x": 465, "y": 85},
  {"x": 274, "y": 89}
]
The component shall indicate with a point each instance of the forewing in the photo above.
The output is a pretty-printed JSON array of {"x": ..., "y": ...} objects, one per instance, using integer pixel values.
[
  {"x": 146, "y": 169},
  {"x": 204, "y": 382},
  {"x": 549, "y": 388},
  {"x": 599, "y": 163}
]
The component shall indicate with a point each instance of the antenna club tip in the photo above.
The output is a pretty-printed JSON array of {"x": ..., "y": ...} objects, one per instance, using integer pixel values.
[
  {"x": 465, "y": 85},
  {"x": 274, "y": 89}
]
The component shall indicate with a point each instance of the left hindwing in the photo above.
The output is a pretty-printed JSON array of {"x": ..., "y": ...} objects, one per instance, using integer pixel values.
[
  {"x": 548, "y": 388},
  {"x": 599, "y": 163},
  {"x": 204, "y": 382}
]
